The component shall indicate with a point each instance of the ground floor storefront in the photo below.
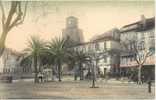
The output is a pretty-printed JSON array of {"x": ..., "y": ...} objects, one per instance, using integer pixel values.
[{"x": 148, "y": 71}]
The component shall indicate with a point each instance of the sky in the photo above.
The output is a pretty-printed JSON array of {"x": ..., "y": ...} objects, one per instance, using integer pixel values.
[{"x": 46, "y": 19}]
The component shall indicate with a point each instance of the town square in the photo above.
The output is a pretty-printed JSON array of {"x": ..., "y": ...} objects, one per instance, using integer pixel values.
[{"x": 78, "y": 50}]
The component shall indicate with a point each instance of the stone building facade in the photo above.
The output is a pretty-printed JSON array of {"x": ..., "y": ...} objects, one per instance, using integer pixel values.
[
  {"x": 10, "y": 64},
  {"x": 106, "y": 47},
  {"x": 109, "y": 43},
  {"x": 143, "y": 33}
]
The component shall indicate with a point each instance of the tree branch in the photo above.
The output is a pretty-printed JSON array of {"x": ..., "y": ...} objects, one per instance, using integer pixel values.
[
  {"x": 25, "y": 10},
  {"x": 3, "y": 14},
  {"x": 135, "y": 57},
  {"x": 11, "y": 13},
  {"x": 147, "y": 54},
  {"x": 15, "y": 16},
  {"x": 19, "y": 18}
]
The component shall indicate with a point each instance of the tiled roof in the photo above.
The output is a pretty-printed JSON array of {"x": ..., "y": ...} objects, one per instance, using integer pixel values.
[{"x": 106, "y": 36}]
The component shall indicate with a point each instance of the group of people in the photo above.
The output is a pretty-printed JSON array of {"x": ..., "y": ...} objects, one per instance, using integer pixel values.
[{"x": 43, "y": 76}]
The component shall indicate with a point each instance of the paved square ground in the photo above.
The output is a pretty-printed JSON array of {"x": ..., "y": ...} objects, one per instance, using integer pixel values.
[{"x": 69, "y": 89}]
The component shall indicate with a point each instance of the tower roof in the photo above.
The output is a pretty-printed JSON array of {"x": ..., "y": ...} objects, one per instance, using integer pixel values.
[{"x": 71, "y": 17}]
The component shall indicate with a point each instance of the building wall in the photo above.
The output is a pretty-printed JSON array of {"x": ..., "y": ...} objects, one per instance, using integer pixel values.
[
  {"x": 145, "y": 40},
  {"x": 143, "y": 33},
  {"x": 102, "y": 49},
  {"x": 10, "y": 65}
]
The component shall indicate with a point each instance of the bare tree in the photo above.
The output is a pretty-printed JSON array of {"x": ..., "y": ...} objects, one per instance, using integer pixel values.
[
  {"x": 14, "y": 18},
  {"x": 139, "y": 52}
]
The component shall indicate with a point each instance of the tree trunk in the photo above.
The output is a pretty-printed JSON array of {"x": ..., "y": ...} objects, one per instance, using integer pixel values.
[
  {"x": 36, "y": 71},
  {"x": 93, "y": 83},
  {"x": 59, "y": 71},
  {"x": 139, "y": 74},
  {"x": 81, "y": 72},
  {"x": 93, "y": 74},
  {"x": 117, "y": 72},
  {"x": 2, "y": 42},
  {"x": 39, "y": 65},
  {"x": 52, "y": 78}
]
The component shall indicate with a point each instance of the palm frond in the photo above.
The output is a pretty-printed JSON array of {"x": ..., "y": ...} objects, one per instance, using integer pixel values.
[
  {"x": 35, "y": 47},
  {"x": 56, "y": 48}
]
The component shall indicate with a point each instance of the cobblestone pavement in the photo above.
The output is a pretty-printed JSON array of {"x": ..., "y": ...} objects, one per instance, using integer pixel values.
[{"x": 69, "y": 89}]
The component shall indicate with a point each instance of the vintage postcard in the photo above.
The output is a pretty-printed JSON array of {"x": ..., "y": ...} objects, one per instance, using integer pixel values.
[{"x": 77, "y": 49}]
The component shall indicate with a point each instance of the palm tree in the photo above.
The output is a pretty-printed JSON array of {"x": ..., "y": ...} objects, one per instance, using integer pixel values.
[
  {"x": 48, "y": 60},
  {"x": 34, "y": 51},
  {"x": 58, "y": 51}
]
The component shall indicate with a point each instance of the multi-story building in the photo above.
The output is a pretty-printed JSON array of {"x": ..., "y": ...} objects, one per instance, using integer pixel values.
[
  {"x": 106, "y": 47},
  {"x": 72, "y": 31},
  {"x": 10, "y": 64},
  {"x": 143, "y": 33},
  {"x": 110, "y": 62}
]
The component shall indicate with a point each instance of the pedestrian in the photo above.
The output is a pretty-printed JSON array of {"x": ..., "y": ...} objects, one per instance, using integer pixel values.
[{"x": 40, "y": 76}]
